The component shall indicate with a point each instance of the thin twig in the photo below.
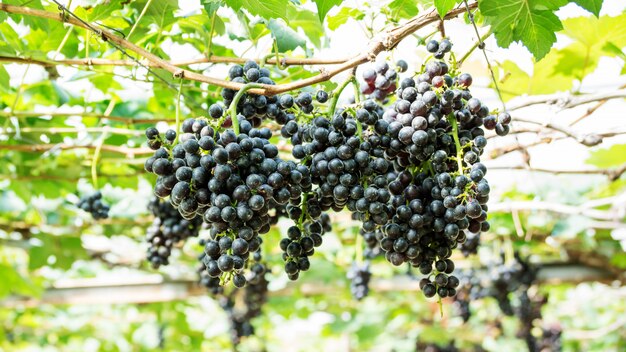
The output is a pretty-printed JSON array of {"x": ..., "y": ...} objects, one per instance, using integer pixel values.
[
  {"x": 588, "y": 139},
  {"x": 37, "y": 148},
  {"x": 612, "y": 214},
  {"x": 128, "y": 120},
  {"x": 613, "y": 174},
  {"x": 386, "y": 41},
  {"x": 565, "y": 100},
  {"x": 591, "y": 110},
  {"x": 285, "y": 61},
  {"x": 59, "y": 130}
]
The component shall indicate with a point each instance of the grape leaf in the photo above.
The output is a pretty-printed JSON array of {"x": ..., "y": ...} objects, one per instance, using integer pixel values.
[
  {"x": 323, "y": 6},
  {"x": 593, "y": 6},
  {"x": 4, "y": 79},
  {"x": 443, "y": 6},
  {"x": 608, "y": 157},
  {"x": 286, "y": 38},
  {"x": 160, "y": 12},
  {"x": 211, "y": 5},
  {"x": 307, "y": 20},
  {"x": 592, "y": 31},
  {"x": 543, "y": 80},
  {"x": 403, "y": 8},
  {"x": 593, "y": 38},
  {"x": 531, "y": 22},
  {"x": 267, "y": 9},
  {"x": 343, "y": 16},
  {"x": 98, "y": 12}
]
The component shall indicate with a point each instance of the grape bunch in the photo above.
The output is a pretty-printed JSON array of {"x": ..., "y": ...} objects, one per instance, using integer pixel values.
[
  {"x": 257, "y": 108},
  {"x": 94, "y": 205},
  {"x": 381, "y": 80},
  {"x": 167, "y": 229},
  {"x": 232, "y": 182},
  {"x": 439, "y": 49},
  {"x": 408, "y": 167},
  {"x": 359, "y": 276},
  {"x": 254, "y": 297},
  {"x": 500, "y": 283},
  {"x": 304, "y": 236}
]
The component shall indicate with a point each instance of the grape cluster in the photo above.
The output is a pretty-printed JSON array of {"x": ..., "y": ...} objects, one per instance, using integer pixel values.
[
  {"x": 500, "y": 283},
  {"x": 439, "y": 49},
  {"x": 257, "y": 108},
  {"x": 167, "y": 229},
  {"x": 303, "y": 237},
  {"x": 359, "y": 276},
  {"x": 381, "y": 80},
  {"x": 232, "y": 182},
  {"x": 93, "y": 204},
  {"x": 407, "y": 167},
  {"x": 254, "y": 297}
]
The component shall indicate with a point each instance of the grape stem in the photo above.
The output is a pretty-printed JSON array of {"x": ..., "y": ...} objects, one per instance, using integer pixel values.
[
  {"x": 359, "y": 248},
  {"x": 336, "y": 93},
  {"x": 211, "y": 34},
  {"x": 180, "y": 89},
  {"x": 476, "y": 45},
  {"x": 143, "y": 12},
  {"x": 96, "y": 156},
  {"x": 305, "y": 197},
  {"x": 232, "y": 108},
  {"x": 455, "y": 135}
]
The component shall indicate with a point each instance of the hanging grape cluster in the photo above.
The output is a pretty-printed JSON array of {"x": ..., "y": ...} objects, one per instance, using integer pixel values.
[
  {"x": 94, "y": 205},
  {"x": 500, "y": 283},
  {"x": 167, "y": 229},
  {"x": 250, "y": 307},
  {"x": 408, "y": 167}
]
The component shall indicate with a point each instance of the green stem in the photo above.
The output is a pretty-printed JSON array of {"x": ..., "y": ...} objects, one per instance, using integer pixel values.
[
  {"x": 357, "y": 90},
  {"x": 87, "y": 43},
  {"x": 232, "y": 108},
  {"x": 67, "y": 36},
  {"x": 335, "y": 96},
  {"x": 305, "y": 197},
  {"x": 96, "y": 156},
  {"x": 471, "y": 50},
  {"x": 180, "y": 89},
  {"x": 277, "y": 54},
  {"x": 143, "y": 12},
  {"x": 455, "y": 135},
  {"x": 359, "y": 248},
  {"x": 440, "y": 306},
  {"x": 208, "y": 51}
]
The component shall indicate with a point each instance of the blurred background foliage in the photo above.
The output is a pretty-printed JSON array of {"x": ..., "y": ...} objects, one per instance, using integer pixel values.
[{"x": 53, "y": 116}]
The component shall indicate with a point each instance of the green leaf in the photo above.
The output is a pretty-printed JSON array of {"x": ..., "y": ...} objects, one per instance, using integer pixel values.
[
  {"x": 593, "y": 38},
  {"x": 323, "y": 6},
  {"x": 444, "y": 6},
  {"x": 160, "y": 12},
  {"x": 545, "y": 78},
  {"x": 531, "y": 22},
  {"x": 308, "y": 22},
  {"x": 286, "y": 38},
  {"x": 98, "y": 12},
  {"x": 610, "y": 157},
  {"x": 211, "y": 5},
  {"x": 4, "y": 79},
  {"x": 593, "y": 32},
  {"x": 403, "y": 8},
  {"x": 593, "y": 6},
  {"x": 343, "y": 16},
  {"x": 267, "y": 9}
]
